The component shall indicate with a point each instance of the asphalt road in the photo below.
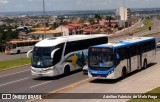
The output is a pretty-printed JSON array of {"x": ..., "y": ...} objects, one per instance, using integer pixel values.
[
  {"x": 155, "y": 28},
  {"x": 19, "y": 80}
]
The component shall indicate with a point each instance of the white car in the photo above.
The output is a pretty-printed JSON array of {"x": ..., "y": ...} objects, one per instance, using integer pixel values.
[
  {"x": 158, "y": 45},
  {"x": 85, "y": 69}
]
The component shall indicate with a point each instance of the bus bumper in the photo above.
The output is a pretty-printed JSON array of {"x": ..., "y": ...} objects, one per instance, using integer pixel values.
[
  {"x": 109, "y": 75},
  {"x": 42, "y": 72},
  {"x": 8, "y": 52}
]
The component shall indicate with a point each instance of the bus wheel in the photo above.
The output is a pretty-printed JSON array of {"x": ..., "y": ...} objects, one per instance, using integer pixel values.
[
  {"x": 145, "y": 64},
  {"x": 18, "y": 52},
  {"x": 124, "y": 72},
  {"x": 66, "y": 70}
]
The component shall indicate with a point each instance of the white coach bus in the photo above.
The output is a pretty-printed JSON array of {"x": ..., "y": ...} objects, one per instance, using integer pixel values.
[
  {"x": 19, "y": 46},
  {"x": 60, "y": 55},
  {"x": 114, "y": 60}
]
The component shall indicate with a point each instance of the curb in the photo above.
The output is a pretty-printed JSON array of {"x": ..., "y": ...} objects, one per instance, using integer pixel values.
[
  {"x": 152, "y": 89},
  {"x": 14, "y": 67},
  {"x": 70, "y": 86}
]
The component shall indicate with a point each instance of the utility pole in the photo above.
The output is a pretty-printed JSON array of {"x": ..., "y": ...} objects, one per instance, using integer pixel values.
[
  {"x": 124, "y": 19},
  {"x": 44, "y": 19}
]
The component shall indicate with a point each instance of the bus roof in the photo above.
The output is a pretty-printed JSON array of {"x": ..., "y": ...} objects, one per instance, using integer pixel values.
[
  {"x": 121, "y": 43},
  {"x": 57, "y": 40}
]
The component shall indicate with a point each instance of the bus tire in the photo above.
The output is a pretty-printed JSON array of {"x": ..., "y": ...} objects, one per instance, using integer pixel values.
[
  {"x": 18, "y": 52},
  {"x": 124, "y": 72},
  {"x": 66, "y": 70},
  {"x": 145, "y": 64}
]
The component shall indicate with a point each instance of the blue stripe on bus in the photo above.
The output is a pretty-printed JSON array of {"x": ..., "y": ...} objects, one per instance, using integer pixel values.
[
  {"x": 104, "y": 72},
  {"x": 124, "y": 43}
]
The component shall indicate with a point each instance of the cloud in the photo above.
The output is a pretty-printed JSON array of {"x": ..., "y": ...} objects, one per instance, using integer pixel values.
[{"x": 4, "y": 1}]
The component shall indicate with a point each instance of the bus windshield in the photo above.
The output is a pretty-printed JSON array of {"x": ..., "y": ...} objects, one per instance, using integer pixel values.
[
  {"x": 42, "y": 57},
  {"x": 101, "y": 57}
]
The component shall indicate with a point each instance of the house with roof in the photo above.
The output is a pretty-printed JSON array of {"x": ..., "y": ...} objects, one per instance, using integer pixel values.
[
  {"x": 104, "y": 22},
  {"x": 71, "y": 29},
  {"x": 42, "y": 33}
]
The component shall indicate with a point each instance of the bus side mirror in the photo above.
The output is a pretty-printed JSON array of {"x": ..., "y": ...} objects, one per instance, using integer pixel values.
[
  {"x": 28, "y": 53},
  {"x": 52, "y": 53}
]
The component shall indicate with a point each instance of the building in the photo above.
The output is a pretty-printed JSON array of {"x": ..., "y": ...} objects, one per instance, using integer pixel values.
[
  {"x": 71, "y": 29},
  {"x": 104, "y": 22},
  {"x": 1, "y": 23},
  {"x": 123, "y": 15},
  {"x": 42, "y": 34}
]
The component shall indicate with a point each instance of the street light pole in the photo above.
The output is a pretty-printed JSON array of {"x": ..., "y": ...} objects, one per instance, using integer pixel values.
[
  {"x": 124, "y": 19},
  {"x": 44, "y": 21}
]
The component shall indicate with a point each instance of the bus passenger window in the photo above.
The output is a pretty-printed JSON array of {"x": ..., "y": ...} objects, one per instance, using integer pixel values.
[{"x": 57, "y": 56}]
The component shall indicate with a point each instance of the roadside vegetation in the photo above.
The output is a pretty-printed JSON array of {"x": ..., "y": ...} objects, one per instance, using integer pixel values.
[
  {"x": 14, "y": 63},
  {"x": 147, "y": 23},
  {"x": 155, "y": 91}
]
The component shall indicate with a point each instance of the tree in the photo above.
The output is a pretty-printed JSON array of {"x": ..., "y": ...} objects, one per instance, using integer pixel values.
[
  {"x": 91, "y": 21},
  {"x": 7, "y": 33},
  {"x": 116, "y": 26},
  {"x": 109, "y": 18},
  {"x": 97, "y": 16},
  {"x": 81, "y": 20}
]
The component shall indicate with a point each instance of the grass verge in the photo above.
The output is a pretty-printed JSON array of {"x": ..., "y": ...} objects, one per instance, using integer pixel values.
[
  {"x": 14, "y": 63},
  {"x": 147, "y": 24},
  {"x": 156, "y": 90}
]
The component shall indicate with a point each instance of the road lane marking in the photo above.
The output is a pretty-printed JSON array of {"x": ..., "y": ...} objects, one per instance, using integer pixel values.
[
  {"x": 13, "y": 73},
  {"x": 14, "y": 81},
  {"x": 40, "y": 84}
]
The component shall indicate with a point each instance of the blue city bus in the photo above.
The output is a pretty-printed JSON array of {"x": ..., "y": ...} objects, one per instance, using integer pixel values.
[{"x": 114, "y": 60}]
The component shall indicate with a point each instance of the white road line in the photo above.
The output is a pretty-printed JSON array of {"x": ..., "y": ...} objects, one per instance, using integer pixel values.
[
  {"x": 40, "y": 84},
  {"x": 13, "y": 81},
  {"x": 13, "y": 73}
]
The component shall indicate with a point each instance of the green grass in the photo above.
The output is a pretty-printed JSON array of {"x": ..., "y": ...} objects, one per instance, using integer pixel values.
[
  {"x": 147, "y": 24},
  {"x": 156, "y": 90},
  {"x": 13, "y": 63}
]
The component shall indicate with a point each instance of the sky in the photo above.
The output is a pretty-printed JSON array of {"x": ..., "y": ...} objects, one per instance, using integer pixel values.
[{"x": 54, "y": 5}]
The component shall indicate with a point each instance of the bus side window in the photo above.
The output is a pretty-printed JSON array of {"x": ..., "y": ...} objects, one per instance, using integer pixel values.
[
  {"x": 30, "y": 44},
  {"x": 58, "y": 54},
  {"x": 117, "y": 54},
  {"x": 14, "y": 46}
]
